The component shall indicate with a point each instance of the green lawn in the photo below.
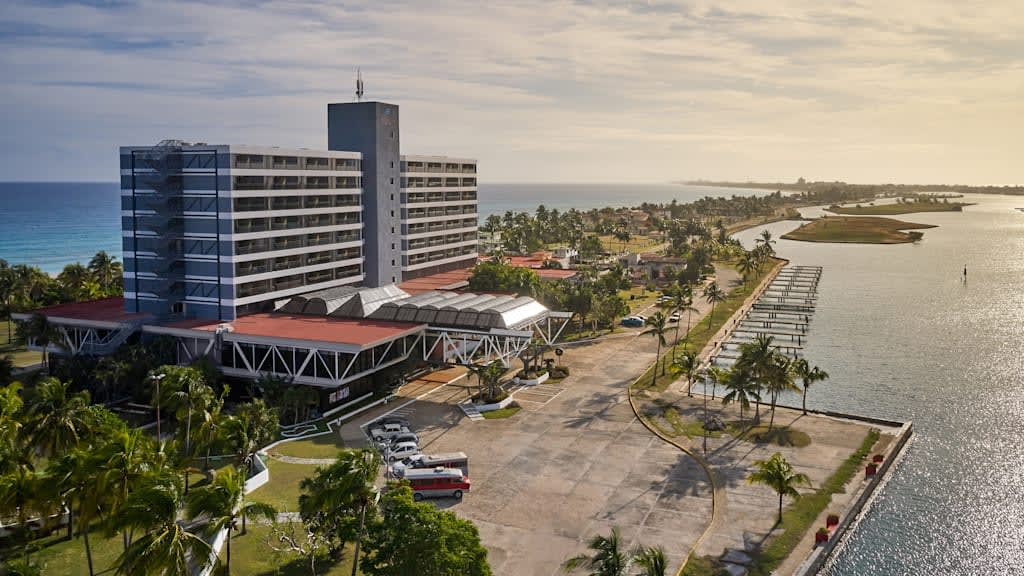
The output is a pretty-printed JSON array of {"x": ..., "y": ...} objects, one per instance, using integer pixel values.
[
  {"x": 760, "y": 434},
  {"x": 502, "y": 413},
  {"x": 635, "y": 244},
  {"x": 21, "y": 355},
  {"x": 59, "y": 556},
  {"x": 325, "y": 446},
  {"x": 252, "y": 556},
  {"x": 282, "y": 491}
]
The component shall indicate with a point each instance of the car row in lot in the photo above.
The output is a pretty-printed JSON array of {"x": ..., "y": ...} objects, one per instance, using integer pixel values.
[
  {"x": 639, "y": 320},
  {"x": 429, "y": 475}
]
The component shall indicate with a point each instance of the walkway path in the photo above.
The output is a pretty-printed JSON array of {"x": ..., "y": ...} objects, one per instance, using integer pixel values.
[{"x": 295, "y": 460}]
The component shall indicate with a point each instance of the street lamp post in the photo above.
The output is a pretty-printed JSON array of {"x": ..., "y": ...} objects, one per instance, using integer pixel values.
[{"x": 157, "y": 378}]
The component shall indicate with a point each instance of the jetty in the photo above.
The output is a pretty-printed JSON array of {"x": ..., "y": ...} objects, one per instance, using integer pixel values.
[{"x": 784, "y": 311}]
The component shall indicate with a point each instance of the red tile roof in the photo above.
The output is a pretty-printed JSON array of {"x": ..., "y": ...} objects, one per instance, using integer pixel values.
[
  {"x": 440, "y": 281},
  {"x": 554, "y": 273},
  {"x": 356, "y": 332},
  {"x": 103, "y": 310}
]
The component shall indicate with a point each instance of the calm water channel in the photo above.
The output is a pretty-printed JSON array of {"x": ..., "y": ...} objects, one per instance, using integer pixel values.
[{"x": 904, "y": 337}]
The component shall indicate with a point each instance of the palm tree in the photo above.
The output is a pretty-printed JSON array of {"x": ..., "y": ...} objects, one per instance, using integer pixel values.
[
  {"x": 777, "y": 473},
  {"x": 491, "y": 380},
  {"x": 333, "y": 497},
  {"x": 77, "y": 483},
  {"x": 211, "y": 425},
  {"x": 748, "y": 263},
  {"x": 608, "y": 559},
  {"x": 765, "y": 239},
  {"x": 757, "y": 357},
  {"x": 713, "y": 295},
  {"x": 166, "y": 546},
  {"x": 105, "y": 270},
  {"x": 253, "y": 427},
  {"x": 682, "y": 301},
  {"x": 57, "y": 420},
  {"x": 8, "y": 283},
  {"x": 21, "y": 492},
  {"x": 741, "y": 387},
  {"x": 39, "y": 329},
  {"x": 715, "y": 374},
  {"x": 658, "y": 325},
  {"x": 126, "y": 460},
  {"x": 687, "y": 365},
  {"x": 779, "y": 379},
  {"x": 183, "y": 389},
  {"x": 219, "y": 504},
  {"x": 478, "y": 371},
  {"x": 651, "y": 560},
  {"x": 808, "y": 376}
]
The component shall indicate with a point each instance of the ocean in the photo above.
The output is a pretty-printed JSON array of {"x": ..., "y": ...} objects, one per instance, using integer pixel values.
[{"x": 51, "y": 224}]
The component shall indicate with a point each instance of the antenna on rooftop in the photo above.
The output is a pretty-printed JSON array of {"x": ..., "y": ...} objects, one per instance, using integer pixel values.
[{"x": 359, "y": 85}]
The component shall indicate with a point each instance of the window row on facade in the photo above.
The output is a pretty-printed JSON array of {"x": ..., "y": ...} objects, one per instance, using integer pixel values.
[
  {"x": 437, "y": 182},
  {"x": 258, "y": 245},
  {"x": 246, "y": 225},
  {"x": 259, "y": 161},
  {"x": 296, "y": 182},
  {"x": 425, "y": 227},
  {"x": 295, "y": 261},
  {"x": 415, "y": 259},
  {"x": 441, "y": 240},
  {"x": 297, "y": 280},
  {"x": 414, "y": 213},
  {"x": 257, "y": 204},
  {"x": 418, "y": 197},
  {"x": 438, "y": 167}
]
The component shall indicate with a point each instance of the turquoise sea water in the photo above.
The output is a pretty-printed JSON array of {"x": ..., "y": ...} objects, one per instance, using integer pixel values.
[{"x": 50, "y": 224}]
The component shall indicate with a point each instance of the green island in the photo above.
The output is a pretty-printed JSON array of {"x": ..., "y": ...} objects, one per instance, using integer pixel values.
[
  {"x": 858, "y": 230},
  {"x": 899, "y": 207}
]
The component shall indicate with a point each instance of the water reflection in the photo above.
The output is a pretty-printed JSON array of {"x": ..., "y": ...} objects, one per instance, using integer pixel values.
[{"x": 904, "y": 337}]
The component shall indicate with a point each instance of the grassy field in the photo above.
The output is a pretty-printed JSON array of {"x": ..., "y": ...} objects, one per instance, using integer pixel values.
[
  {"x": 282, "y": 491},
  {"x": 892, "y": 209},
  {"x": 638, "y": 298},
  {"x": 59, "y": 556},
  {"x": 22, "y": 357},
  {"x": 760, "y": 434},
  {"x": 858, "y": 230},
  {"x": 635, "y": 244},
  {"x": 252, "y": 556},
  {"x": 324, "y": 446}
]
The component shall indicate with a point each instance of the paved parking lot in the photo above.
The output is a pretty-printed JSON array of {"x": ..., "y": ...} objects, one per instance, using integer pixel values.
[{"x": 573, "y": 463}]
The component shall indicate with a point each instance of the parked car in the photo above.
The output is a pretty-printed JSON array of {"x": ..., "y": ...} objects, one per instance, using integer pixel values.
[
  {"x": 402, "y": 450},
  {"x": 391, "y": 420},
  {"x": 674, "y": 317},
  {"x": 387, "y": 432},
  {"x": 404, "y": 437},
  {"x": 632, "y": 322}
]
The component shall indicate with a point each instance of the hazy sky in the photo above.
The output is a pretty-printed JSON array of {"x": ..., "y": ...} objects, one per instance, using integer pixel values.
[{"x": 906, "y": 91}]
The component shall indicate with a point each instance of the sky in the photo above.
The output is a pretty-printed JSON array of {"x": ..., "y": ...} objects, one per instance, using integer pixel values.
[{"x": 546, "y": 91}]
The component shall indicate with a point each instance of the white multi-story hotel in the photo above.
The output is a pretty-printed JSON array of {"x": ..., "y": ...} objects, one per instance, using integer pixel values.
[{"x": 218, "y": 231}]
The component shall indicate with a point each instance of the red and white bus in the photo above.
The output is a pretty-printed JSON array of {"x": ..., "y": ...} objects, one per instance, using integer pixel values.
[{"x": 437, "y": 483}]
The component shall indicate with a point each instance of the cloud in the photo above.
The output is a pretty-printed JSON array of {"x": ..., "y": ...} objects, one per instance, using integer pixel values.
[{"x": 559, "y": 90}]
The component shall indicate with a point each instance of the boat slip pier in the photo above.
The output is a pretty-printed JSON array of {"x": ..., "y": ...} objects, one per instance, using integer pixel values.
[{"x": 783, "y": 311}]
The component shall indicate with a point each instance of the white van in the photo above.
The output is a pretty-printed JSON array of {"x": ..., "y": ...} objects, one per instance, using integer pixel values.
[{"x": 437, "y": 483}]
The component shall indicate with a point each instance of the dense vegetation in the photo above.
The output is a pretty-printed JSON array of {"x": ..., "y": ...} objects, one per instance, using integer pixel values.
[
  {"x": 919, "y": 203},
  {"x": 853, "y": 191}
]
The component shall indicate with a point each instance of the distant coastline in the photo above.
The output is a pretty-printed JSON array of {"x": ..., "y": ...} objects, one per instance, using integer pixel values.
[{"x": 878, "y": 189}]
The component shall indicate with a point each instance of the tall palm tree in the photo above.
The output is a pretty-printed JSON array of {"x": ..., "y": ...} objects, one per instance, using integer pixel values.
[
  {"x": 757, "y": 358},
  {"x": 713, "y": 295},
  {"x": 779, "y": 379},
  {"x": 682, "y": 301},
  {"x": 747, "y": 264},
  {"x": 651, "y": 560},
  {"x": 808, "y": 375},
  {"x": 105, "y": 270},
  {"x": 777, "y": 473},
  {"x": 765, "y": 239},
  {"x": 742, "y": 389},
  {"x": 218, "y": 505},
  {"x": 252, "y": 427},
  {"x": 57, "y": 419},
  {"x": 21, "y": 491},
  {"x": 211, "y": 425},
  {"x": 336, "y": 495},
  {"x": 609, "y": 558},
  {"x": 184, "y": 390},
  {"x": 166, "y": 547},
  {"x": 78, "y": 486},
  {"x": 39, "y": 329},
  {"x": 687, "y": 365},
  {"x": 657, "y": 326},
  {"x": 717, "y": 375},
  {"x": 126, "y": 460}
]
